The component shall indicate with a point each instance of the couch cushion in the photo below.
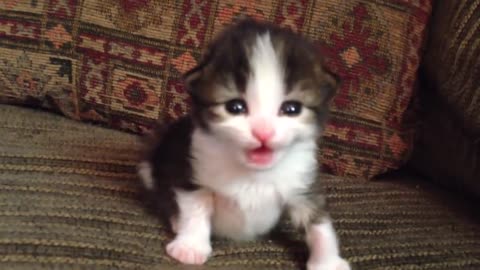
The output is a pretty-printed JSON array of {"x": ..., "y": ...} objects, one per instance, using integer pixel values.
[
  {"x": 446, "y": 151},
  {"x": 119, "y": 63},
  {"x": 69, "y": 198},
  {"x": 448, "y": 146},
  {"x": 452, "y": 59}
]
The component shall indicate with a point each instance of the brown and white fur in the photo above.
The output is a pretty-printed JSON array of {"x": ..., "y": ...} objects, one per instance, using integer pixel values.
[{"x": 247, "y": 152}]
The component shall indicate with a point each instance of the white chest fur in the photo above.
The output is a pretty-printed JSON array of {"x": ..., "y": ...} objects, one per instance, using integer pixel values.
[
  {"x": 248, "y": 203},
  {"x": 253, "y": 210}
]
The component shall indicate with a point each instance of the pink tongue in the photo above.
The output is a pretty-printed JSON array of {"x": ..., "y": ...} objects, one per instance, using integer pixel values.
[{"x": 261, "y": 155}]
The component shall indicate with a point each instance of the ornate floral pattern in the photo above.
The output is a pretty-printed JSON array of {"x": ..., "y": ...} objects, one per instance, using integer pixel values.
[
  {"x": 132, "y": 15},
  {"x": 231, "y": 10},
  {"x": 58, "y": 36},
  {"x": 93, "y": 81},
  {"x": 354, "y": 55},
  {"x": 292, "y": 14},
  {"x": 184, "y": 62},
  {"x": 193, "y": 26},
  {"x": 9, "y": 4},
  {"x": 24, "y": 77},
  {"x": 240, "y": 8},
  {"x": 134, "y": 94},
  {"x": 120, "y": 62},
  {"x": 62, "y": 8},
  {"x": 177, "y": 100}
]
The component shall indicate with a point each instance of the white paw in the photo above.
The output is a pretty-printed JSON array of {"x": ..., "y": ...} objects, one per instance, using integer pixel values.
[
  {"x": 188, "y": 251},
  {"x": 335, "y": 263}
]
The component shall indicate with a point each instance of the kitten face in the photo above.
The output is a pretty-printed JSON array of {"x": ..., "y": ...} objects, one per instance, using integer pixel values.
[{"x": 260, "y": 90}]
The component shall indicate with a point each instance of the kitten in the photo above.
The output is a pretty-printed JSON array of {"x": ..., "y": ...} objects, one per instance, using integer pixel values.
[{"x": 247, "y": 152}]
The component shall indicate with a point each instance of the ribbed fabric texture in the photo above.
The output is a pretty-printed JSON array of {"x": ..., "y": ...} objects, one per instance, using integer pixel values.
[
  {"x": 448, "y": 145},
  {"x": 452, "y": 59},
  {"x": 69, "y": 199}
]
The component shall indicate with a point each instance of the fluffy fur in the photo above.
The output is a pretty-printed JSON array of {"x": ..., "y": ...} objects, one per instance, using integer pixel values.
[{"x": 247, "y": 152}]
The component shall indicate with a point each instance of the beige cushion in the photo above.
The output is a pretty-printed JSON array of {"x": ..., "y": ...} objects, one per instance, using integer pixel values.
[{"x": 69, "y": 199}]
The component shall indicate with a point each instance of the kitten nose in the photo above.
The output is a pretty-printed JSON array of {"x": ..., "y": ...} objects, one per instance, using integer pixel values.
[{"x": 263, "y": 133}]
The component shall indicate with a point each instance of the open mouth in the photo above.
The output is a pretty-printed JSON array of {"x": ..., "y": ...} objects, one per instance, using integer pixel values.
[{"x": 262, "y": 155}]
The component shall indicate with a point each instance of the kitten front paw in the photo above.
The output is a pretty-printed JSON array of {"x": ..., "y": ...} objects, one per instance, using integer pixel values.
[
  {"x": 189, "y": 251},
  {"x": 335, "y": 263}
]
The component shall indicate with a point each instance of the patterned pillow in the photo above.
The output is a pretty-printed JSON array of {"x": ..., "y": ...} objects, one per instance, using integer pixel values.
[{"x": 119, "y": 62}]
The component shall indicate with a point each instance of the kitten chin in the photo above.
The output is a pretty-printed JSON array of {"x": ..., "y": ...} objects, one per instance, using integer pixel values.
[{"x": 247, "y": 152}]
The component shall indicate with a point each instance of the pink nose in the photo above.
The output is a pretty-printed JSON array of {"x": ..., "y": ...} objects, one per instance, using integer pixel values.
[{"x": 263, "y": 134}]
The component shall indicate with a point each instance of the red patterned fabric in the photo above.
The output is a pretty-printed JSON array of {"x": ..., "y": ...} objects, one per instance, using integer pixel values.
[{"x": 119, "y": 63}]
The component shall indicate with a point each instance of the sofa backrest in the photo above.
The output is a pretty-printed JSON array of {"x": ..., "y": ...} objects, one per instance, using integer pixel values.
[
  {"x": 452, "y": 59},
  {"x": 448, "y": 145}
]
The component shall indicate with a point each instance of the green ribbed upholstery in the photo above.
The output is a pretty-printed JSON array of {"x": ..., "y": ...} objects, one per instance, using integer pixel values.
[
  {"x": 69, "y": 199},
  {"x": 448, "y": 145}
]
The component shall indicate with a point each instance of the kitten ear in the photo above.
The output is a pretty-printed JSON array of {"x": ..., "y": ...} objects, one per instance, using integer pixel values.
[
  {"x": 195, "y": 76},
  {"x": 192, "y": 78},
  {"x": 330, "y": 83},
  {"x": 196, "y": 84}
]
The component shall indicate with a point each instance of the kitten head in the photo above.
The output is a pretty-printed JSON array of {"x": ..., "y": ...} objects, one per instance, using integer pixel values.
[{"x": 260, "y": 90}]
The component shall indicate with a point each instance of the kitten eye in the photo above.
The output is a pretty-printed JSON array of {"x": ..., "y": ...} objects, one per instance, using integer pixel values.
[
  {"x": 236, "y": 106},
  {"x": 291, "y": 108}
]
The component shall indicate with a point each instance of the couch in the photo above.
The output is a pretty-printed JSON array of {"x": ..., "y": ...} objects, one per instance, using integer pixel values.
[{"x": 70, "y": 197}]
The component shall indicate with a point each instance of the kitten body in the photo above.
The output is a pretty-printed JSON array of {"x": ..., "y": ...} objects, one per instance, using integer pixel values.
[
  {"x": 249, "y": 203},
  {"x": 247, "y": 152}
]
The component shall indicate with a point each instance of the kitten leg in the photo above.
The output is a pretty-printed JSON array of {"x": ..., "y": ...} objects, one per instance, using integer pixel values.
[
  {"x": 307, "y": 212},
  {"x": 144, "y": 170},
  {"x": 192, "y": 242},
  {"x": 323, "y": 245}
]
